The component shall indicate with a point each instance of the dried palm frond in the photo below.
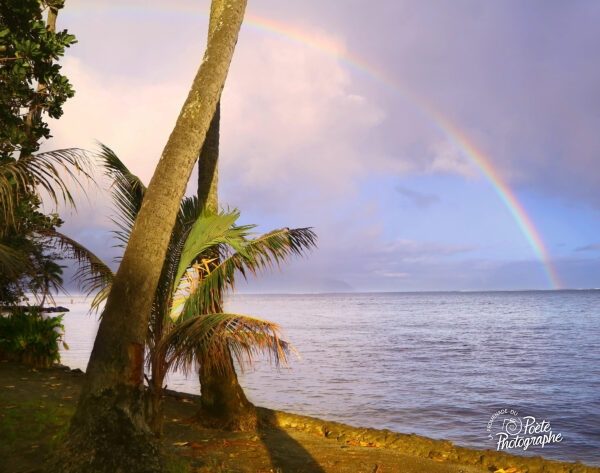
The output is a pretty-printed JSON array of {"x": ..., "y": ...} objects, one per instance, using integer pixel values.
[
  {"x": 12, "y": 262},
  {"x": 207, "y": 337}
]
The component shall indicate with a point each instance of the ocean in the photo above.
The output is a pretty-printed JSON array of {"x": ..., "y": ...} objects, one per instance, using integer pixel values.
[{"x": 476, "y": 368}]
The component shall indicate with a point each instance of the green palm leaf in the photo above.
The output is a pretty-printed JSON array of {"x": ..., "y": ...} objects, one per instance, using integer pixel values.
[
  {"x": 127, "y": 193},
  {"x": 204, "y": 289},
  {"x": 206, "y": 232}
]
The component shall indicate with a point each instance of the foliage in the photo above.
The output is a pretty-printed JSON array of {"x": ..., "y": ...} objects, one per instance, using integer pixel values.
[
  {"x": 27, "y": 255},
  {"x": 205, "y": 253},
  {"x": 30, "y": 78},
  {"x": 193, "y": 280},
  {"x": 93, "y": 275},
  {"x": 31, "y": 337},
  {"x": 207, "y": 336},
  {"x": 32, "y": 89}
]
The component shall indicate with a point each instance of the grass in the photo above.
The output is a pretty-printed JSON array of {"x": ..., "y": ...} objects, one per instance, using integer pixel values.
[{"x": 36, "y": 405}]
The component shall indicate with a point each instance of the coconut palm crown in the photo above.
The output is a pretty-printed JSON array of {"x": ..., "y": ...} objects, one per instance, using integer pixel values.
[{"x": 206, "y": 253}]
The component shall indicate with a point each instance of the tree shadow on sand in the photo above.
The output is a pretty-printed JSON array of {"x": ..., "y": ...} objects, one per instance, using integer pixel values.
[{"x": 287, "y": 455}]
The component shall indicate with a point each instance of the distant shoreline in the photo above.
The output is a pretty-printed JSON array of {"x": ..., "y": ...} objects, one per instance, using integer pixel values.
[
  {"x": 239, "y": 292},
  {"x": 366, "y": 293}
]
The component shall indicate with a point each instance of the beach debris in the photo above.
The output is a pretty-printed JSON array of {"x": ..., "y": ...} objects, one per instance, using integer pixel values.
[
  {"x": 438, "y": 456},
  {"x": 181, "y": 444}
]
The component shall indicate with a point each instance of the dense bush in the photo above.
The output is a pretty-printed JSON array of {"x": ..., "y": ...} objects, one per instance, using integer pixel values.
[{"x": 31, "y": 338}]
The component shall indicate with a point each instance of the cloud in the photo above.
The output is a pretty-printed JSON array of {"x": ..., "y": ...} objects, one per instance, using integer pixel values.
[
  {"x": 302, "y": 131},
  {"x": 292, "y": 120},
  {"x": 502, "y": 76},
  {"x": 131, "y": 117},
  {"x": 419, "y": 199},
  {"x": 590, "y": 247}
]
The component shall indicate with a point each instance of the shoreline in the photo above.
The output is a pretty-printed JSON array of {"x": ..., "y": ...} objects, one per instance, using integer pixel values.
[
  {"x": 327, "y": 441},
  {"x": 411, "y": 444}
]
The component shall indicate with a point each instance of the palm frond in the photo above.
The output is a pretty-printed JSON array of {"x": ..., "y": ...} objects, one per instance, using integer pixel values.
[
  {"x": 12, "y": 262},
  {"x": 92, "y": 275},
  {"x": 189, "y": 212},
  {"x": 13, "y": 179},
  {"x": 205, "y": 289},
  {"x": 49, "y": 172},
  {"x": 49, "y": 167},
  {"x": 207, "y": 337},
  {"x": 127, "y": 192},
  {"x": 209, "y": 231}
]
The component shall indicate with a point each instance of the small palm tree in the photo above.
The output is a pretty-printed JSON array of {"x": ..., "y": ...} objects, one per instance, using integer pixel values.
[
  {"x": 206, "y": 252},
  {"x": 48, "y": 280}
]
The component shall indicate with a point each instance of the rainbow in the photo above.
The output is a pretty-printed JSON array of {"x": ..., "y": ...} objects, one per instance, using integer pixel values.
[
  {"x": 442, "y": 123},
  {"x": 453, "y": 134}
]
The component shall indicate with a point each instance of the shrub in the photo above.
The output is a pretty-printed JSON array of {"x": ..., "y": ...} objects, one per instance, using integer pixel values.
[{"x": 31, "y": 338}]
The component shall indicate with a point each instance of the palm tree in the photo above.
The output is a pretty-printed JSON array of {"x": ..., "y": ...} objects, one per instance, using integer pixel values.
[
  {"x": 49, "y": 279},
  {"x": 109, "y": 431},
  {"x": 187, "y": 326}
]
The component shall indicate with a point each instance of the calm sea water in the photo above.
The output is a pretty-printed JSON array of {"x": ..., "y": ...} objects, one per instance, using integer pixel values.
[{"x": 436, "y": 364}]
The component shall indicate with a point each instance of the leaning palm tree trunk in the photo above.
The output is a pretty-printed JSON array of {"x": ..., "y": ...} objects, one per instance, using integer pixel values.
[
  {"x": 223, "y": 403},
  {"x": 109, "y": 432}
]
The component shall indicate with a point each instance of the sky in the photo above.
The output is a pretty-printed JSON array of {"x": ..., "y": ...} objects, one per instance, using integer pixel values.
[{"x": 432, "y": 145}]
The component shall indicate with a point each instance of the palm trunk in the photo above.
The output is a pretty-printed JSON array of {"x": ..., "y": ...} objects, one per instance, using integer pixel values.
[
  {"x": 223, "y": 402},
  {"x": 158, "y": 366},
  {"x": 109, "y": 432},
  {"x": 155, "y": 414},
  {"x": 208, "y": 171}
]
